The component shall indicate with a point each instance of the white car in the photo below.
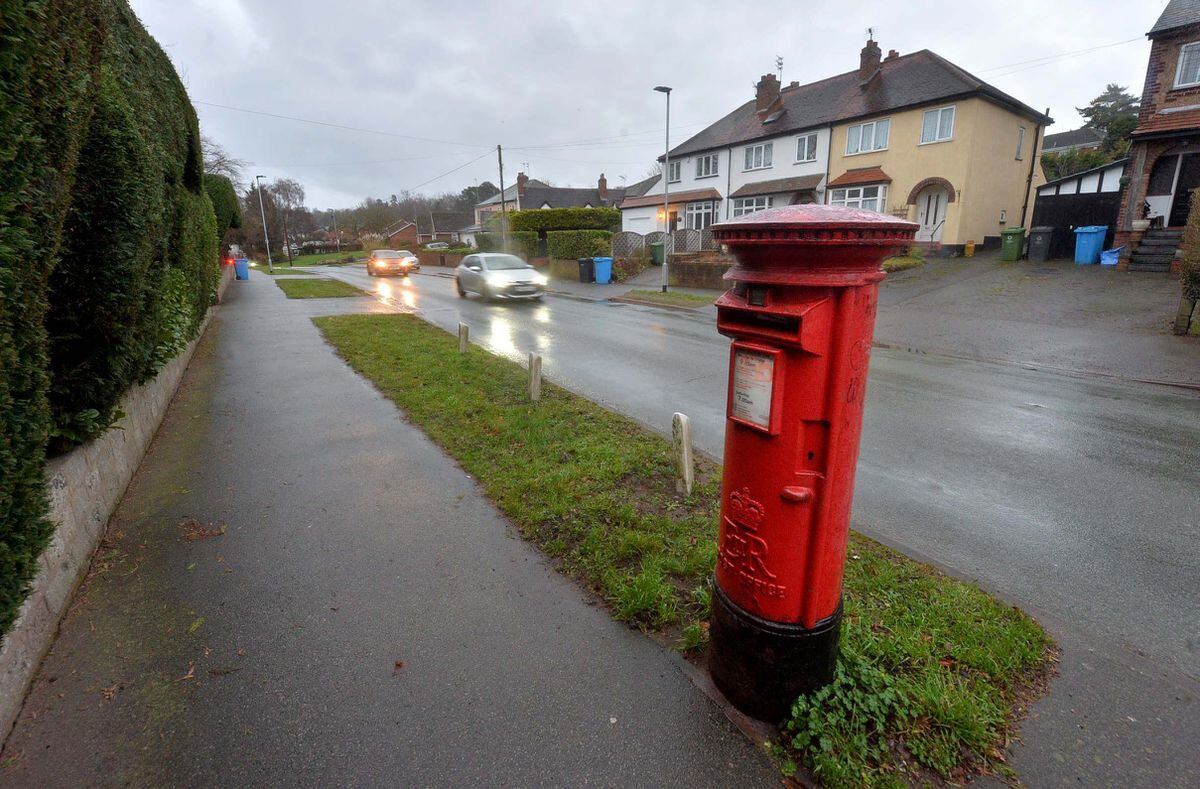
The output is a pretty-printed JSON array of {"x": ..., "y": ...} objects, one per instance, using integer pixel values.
[{"x": 498, "y": 276}]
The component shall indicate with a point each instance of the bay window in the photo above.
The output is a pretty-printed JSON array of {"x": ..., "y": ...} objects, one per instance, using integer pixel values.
[
  {"x": 748, "y": 205},
  {"x": 700, "y": 215},
  {"x": 868, "y": 198}
]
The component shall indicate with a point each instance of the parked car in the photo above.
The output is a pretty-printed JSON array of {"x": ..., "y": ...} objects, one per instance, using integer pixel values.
[
  {"x": 437, "y": 245},
  {"x": 498, "y": 276},
  {"x": 392, "y": 261}
]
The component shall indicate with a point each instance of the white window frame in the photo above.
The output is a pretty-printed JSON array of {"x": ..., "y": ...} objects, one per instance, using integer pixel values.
[
  {"x": 805, "y": 142},
  {"x": 674, "y": 171},
  {"x": 748, "y": 205},
  {"x": 937, "y": 127},
  {"x": 1020, "y": 143},
  {"x": 855, "y": 196},
  {"x": 708, "y": 165},
  {"x": 1179, "y": 66},
  {"x": 758, "y": 156},
  {"x": 696, "y": 213},
  {"x": 855, "y": 132}
]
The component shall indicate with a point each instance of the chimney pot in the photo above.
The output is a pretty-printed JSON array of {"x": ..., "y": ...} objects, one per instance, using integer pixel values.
[
  {"x": 521, "y": 179},
  {"x": 892, "y": 54},
  {"x": 868, "y": 60},
  {"x": 602, "y": 188},
  {"x": 794, "y": 84},
  {"x": 766, "y": 93}
]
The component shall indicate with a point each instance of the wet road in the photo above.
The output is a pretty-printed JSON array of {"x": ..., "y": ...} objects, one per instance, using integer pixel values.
[{"x": 1075, "y": 498}]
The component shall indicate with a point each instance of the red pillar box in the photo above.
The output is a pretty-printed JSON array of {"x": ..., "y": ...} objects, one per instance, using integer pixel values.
[{"x": 801, "y": 315}]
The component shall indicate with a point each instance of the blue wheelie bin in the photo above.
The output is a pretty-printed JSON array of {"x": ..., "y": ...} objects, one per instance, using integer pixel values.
[
  {"x": 603, "y": 270},
  {"x": 241, "y": 268},
  {"x": 1089, "y": 241}
]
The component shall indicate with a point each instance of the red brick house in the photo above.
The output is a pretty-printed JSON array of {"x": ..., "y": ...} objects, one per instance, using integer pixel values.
[{"x": 1165, "y": 152}]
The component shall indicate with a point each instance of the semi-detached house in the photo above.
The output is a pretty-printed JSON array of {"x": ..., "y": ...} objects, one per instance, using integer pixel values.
[{"x": 914, "y": 136}]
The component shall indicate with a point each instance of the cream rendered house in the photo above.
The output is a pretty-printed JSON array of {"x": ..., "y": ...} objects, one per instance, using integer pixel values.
[{"x": 914, "y": 136}]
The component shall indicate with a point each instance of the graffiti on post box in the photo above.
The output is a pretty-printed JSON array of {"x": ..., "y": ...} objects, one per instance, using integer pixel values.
[
  {"x": 753, "y": 387},
  {"x": 743, "y": 551}
]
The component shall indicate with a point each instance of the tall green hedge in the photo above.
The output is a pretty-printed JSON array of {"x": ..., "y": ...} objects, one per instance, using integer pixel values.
[
  {"x": 569, "y": 244},
  {"x": 107, "y": 241},
  {"x": 565, "y": 219},
  {"x": 225, "y": 202},
  {"x": 522, "y": 242}
]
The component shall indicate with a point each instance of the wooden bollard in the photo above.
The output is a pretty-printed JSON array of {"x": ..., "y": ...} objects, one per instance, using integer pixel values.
[
  {"x": 464, "y": 337},
  {"x": 681, "y": 440},
  {"x": 535, "y": 377}
]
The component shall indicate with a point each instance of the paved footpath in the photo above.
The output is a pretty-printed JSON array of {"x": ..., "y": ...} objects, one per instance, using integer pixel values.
[{"x": 366, "y": 618}]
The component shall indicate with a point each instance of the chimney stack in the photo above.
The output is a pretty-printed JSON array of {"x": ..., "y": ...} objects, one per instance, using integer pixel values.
[
  {"x": 892, "y": 54},
  {"x": 602, "y": 188},
  {"x": 868, "y": 60},
  {"x": 767, "y": 93},
  {"x": 521, "y": 179}
]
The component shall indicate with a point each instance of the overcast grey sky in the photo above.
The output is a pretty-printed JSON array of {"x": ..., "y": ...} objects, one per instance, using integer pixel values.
[{"x": 575, "y": 79}]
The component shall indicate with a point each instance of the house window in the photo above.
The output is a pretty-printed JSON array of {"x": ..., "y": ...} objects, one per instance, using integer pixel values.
[
  {"x": 937, "y": 125},
  {"x": 673, "y": 172},
  {"x": 865, "y": 137},
  {"x": 706, "y": 165},
  {"x": 700, "y": 215},
  {"x": 868, "y": 198},
  {"x": 806, "y": 148},
  {"x": 1020, "y": 142},
  {"x": 758, "y": 157},
  {"x": 748, "y": 205},
  {"x": 1188, "y": 72}
]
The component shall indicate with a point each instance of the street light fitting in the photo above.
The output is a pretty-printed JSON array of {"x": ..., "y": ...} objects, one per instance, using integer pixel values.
[{"x": 663, "y": 89}]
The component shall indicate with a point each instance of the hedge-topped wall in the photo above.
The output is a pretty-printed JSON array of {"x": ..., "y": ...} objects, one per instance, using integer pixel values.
[{"x": 108, "y": 245}]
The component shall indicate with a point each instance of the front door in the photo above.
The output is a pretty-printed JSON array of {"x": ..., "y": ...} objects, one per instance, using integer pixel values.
[
  {"x": 931, "y": 213},
  {"x": 1189, "y": 179}
]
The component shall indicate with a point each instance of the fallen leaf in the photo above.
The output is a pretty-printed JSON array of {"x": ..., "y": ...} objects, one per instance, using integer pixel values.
[
  {"x": 111, "y": 691},
  {"x": 194, "y": 530},
  {"x": 195, "y": 625},
  {"x": 191, "y": 674},
  {"x": 398, "y": 667},
  {"x": 241, "y": 652},
  {"x": 220, "y": 671}
]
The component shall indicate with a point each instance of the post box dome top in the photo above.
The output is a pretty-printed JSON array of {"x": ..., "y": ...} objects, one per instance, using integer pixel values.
[
  {"x": 813, "y": 237},
  {"x": 815, "y": 217}
]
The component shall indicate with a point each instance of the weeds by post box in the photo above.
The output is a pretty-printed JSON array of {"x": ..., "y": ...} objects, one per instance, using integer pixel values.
[{"x": 801, "y": 316}]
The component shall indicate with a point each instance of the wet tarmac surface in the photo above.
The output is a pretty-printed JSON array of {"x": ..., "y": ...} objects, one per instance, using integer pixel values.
[{"x": 1075, "y": 497}]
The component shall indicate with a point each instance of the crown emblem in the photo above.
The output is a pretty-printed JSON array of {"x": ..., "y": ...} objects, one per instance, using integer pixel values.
[{"x": 744, "y": 510}]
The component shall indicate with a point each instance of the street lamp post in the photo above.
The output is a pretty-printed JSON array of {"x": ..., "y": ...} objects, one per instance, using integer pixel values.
[
  {"x": 337, "y": 238},
  {"x": 266, "y": 236},
  {"x": 666, "y": 187}
]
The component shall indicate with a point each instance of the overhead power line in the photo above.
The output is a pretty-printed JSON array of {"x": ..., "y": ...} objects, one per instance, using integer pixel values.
[{"x": 1048, "y": 59}]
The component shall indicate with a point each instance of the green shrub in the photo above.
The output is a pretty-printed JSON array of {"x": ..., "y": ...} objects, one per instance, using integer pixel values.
[
  {"x": 565, "y": 219},
  {"x": 225, "y": 203},
  {"x": 578, "y": 243},
  {"x": 522, "y": 243}
]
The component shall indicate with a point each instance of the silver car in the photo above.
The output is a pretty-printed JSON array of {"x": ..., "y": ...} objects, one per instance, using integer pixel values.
[{"x": 498, "y": 276}]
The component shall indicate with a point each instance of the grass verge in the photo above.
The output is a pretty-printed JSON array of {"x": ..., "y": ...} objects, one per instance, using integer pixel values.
[
  {"x": 902, "y": 263},
  {"x": 671, "y": 298},
  {"x": 933, "y": 672},
  {"x": 322, "y": 258},
  {"x": 317, "y": 288}
]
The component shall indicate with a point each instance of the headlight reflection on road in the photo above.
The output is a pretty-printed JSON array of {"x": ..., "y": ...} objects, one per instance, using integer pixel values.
[
  {"x": 501, "y": 337},
  {"x": 542, "y": 314},
  {"x": 384, "y": 290}
]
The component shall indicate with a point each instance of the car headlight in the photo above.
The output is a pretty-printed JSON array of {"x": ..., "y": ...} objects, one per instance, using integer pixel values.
[{"x": 540, "y": 279}]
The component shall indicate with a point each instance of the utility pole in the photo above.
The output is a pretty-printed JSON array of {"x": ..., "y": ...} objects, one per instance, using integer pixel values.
[
  {"x": 266, "y": 236},
  {"x": 337, "y": 238},
  {"x": 503, "y": 210}
]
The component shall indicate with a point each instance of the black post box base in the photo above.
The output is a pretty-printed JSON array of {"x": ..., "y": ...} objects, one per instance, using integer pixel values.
[{"x": 762, "y": 666}]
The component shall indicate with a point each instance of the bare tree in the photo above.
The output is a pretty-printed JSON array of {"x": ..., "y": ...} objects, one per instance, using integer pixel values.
[
  {"x": 289, "y": 195},
  {"x": 218, "y": 161}
]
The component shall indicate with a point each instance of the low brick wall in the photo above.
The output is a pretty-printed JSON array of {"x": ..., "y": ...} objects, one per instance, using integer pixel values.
[
  {"x": 85, "y": 486},
  {"x": 431, "y": 257},
  {"x": 704, "y": 270}
]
